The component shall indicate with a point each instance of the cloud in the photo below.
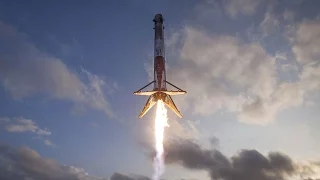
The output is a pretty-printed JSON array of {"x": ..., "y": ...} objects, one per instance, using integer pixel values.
[
  {"x": 26, "y": 71},
  {"x": 213, "y": 11},
  {"x": 45, "y": 141},
  {"x": 48, "y": 142},
  {"x": 25, "y": 163},
  {"x": 288, "y": 15},
  {"x": 20, "y": 125},
  {"x": 306, "y": 40},
  {"x": 246, "y": 7},
  {"x": 225, "y": 73},
  {"x": 270, "y": 23},
  {"x": 119, "y": 176},
  {"x": 246, "y": 165},
  {"x": 23, "y": 125},
  {"x": 215, "y": 142}
]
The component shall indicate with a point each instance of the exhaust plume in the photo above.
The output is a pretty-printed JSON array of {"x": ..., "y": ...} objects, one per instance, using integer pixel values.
[{"x": 160, "y": 123}]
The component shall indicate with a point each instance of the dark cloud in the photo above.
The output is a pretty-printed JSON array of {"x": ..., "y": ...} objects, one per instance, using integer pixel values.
[
  {"x": 247, "y": 165},
  {"x": 215, "y": 142},
  {"x": 24, "y": 163},
  {"x": 191, "y": 155},
  {"x": 119, "y": 176}
]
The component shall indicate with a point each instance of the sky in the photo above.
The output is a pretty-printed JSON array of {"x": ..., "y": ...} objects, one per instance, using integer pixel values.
[{"x": 68, "y": 70}]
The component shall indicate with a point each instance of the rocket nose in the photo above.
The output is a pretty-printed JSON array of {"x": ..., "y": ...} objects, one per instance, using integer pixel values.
[
  {"x": 158, "y": 18},
  {"x": 158, "y": 15}
]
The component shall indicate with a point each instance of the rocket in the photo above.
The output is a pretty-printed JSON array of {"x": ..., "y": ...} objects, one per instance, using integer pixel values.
[{"x": 159, "y": 91}]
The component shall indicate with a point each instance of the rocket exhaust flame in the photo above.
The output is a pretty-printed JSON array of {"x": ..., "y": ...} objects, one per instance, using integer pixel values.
[{"x": 160, "y": 124}]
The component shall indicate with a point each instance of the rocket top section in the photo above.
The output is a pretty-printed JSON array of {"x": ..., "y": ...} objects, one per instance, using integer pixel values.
[
  {"x": 158, "y": 18},
  {"x": 158, "y": 35},
  {"x": 158, "y": 26}
]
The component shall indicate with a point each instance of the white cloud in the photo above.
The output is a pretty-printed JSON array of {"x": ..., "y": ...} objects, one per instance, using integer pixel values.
[
  {"x": 305, "y": 39},
  {"x": 289, "y": 67},
  {"x": 281, "y": 56},
  {"x": 288, "y": 15},
  {"x": 48, "y": 142},
  {"x": 270, "y": 23},
  {"x": 19, "y": 125},
  {"x": 245, "y": 7},
  {"x": 45, "y": 141},
  {"x": 224, "y": 73},
  {"x": 26, "y": 71},
  {"x": 23, "y": 125},
  {"x": 306, "y": 42},
  {"x": 310, "y": 77}
]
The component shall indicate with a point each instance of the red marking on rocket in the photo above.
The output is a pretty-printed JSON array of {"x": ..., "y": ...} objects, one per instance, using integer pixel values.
[{"x": 159, "y": 91}]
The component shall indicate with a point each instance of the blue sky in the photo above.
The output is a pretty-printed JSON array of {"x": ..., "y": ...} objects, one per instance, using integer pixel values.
[{"x": 68, "y": 71}]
